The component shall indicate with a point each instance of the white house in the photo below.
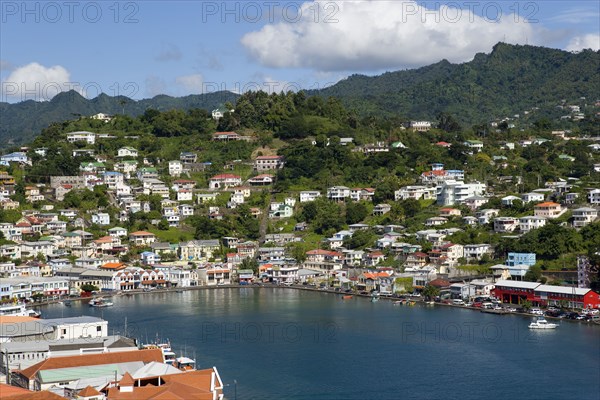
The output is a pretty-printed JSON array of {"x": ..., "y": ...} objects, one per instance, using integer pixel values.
[
  {"x": 594, "y": 196},
  {"x": 505, "y": 224},
  {"x": 476, "y": 251},
  {"x": 415, "y": 192},
  {"x": 549, "y": 210},
  {"x": 265, "y": 163},
  {"x": 531, "y": 222},
  {"x": 309, "y": 195},
  {"x": 453, "y": 192},
  {"x": 338, "y": 193},
  {"x": 584, "y": 216},
  {"x": 127, "y": 152},
  {"x": 81, "y": 136},
  {"x": 420, "y": 126},
  {"x": 175, "y": 168},
  {"x": 224, "y": 181},
  {"x": 533, "y": 196},
  {"x": 101, "y": 219}
]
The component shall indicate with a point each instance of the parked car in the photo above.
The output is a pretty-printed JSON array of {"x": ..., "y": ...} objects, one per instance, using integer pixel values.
[{"x": 536, "y": 311}]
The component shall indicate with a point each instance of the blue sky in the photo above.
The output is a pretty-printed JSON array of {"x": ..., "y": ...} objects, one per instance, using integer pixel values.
[{"x": 145, "y": 48}]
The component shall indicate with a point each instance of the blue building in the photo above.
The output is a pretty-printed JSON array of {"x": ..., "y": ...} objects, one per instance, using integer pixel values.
[{"x": 520, "y": 259}]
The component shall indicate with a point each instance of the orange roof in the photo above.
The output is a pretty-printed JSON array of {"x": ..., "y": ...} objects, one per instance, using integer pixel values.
[
  {"x": 89, "y": 391},
  {"x": 225, "y": 176},
  {"x": 268, "y": 157},
  {"x": 14, "y": 393},
  {"x": 145, "y": 356},
  {"x": 189, "y": 385},
  {"x": 126, "y": 380},
  {"x": 9, "y": 319},
  {"x": 141, "y": 233},
  {"x": 7, "y": 391},
  {"x": 104, "y": 239},
  {"x": 114, "y": 266},
  {"x": 547, "y": 204}
]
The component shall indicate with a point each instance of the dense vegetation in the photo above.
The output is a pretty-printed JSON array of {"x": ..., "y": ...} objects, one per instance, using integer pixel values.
[{"x": 508, "y": 81}]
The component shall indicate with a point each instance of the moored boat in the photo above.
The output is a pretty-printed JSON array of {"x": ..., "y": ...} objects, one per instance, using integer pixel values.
[
  {"x": 347, "y": 297},
  {"x": 541, "y": 323},
  {"x": 18, "y": 310},
  {"x": 100, "y": 302}
]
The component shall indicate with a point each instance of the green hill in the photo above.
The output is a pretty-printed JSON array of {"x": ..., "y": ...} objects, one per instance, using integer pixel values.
[
  {"x": 21, "y": 122},
  {"x": 507, "y": 81}
]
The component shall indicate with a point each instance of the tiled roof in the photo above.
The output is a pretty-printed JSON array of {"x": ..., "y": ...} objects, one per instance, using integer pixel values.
[{"x": 145, "y": 356}]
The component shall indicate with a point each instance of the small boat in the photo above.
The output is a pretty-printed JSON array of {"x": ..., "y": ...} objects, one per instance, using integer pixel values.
[
  {"x": 411, "y": 303},
  {"x": 347, "y": 297},
  {"x": 100, "y": 302},
  {"x": 18, "y": 310},
  {"x": 67, "y": 303},
  {"x": 397, "y": 303},
  {"x": 184, "y": 364},
  {"x": 541, "y": 323},
  {"x": 374, "y": 297},
  {"x": 430, "y": 303}
]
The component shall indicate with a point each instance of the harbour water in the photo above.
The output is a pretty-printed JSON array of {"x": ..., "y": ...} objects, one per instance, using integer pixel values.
[{"x": 277, "y": 343}]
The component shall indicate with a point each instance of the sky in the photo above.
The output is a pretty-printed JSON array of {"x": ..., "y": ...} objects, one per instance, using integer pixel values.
[{"x": 145, "y": 48}]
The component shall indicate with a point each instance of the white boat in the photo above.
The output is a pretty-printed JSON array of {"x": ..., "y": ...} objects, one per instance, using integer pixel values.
[
  {"x": 18, "y": 310},
  {"x": 541, "y": 323},
  {"x": 100, "y": 302}
]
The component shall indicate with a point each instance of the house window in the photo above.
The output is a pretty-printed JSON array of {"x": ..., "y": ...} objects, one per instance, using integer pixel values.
[
  {"x": 64, "y": 331},
  {"x": 98, "y": 328}
]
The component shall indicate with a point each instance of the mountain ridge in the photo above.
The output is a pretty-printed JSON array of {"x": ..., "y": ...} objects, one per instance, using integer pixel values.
[{"x": 509, "y": 79}]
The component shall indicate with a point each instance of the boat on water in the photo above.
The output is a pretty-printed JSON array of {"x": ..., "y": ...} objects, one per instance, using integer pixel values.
[
  {"x": 430, "y": 303},
  {"x": 495, "y": 310},
  {"x": 100, "y": 302},
  {"x": 185, "y": 364},
  {"x": 374, "y": 297},
  {"x": 398, "y": 303},
  {"x": 67, "y": 303},
  {"x": 541, "y": 323},
  {"x": 18, "y": 310},
  {"x": 347, "y": 297}
]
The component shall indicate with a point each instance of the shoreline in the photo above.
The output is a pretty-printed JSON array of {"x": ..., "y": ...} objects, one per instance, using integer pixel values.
[{"x": 293, "y": 287}]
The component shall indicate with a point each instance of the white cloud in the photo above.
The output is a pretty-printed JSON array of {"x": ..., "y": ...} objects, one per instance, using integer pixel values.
[
  {"x": 589, "y": 41},
  {"x": 37, "y": 82},
  {"x": 371, "y": 35}
]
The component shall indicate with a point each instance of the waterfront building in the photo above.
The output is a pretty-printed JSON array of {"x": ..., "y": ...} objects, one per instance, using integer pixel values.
[{"x": 545, "y": 295}]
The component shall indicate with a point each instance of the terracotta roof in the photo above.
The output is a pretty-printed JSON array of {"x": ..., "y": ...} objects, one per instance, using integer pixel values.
[
  {"x": 189, "y": 385},
  {"x": 439, "y": 283},
  {"x": 25, "y": 394},
  {"x": 10, "y": 319},
  {"x": 547, "y": 204},
  {"x": 89, "y": 391},
  {"x": 141, "y": 233},
  {"x": 115, "y": 266},
  {"x": 145, "y": 356},
  {"x": 268, "y": 157},
  {"x": 126, "y": 380},
  {"x": 7, "y": 391},
  {"x": 226, "y": 176}
]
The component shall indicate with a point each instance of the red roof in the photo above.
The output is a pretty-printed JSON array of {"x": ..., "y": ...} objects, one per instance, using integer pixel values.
[
  {"x": 141, "y": 233},
  {"x": 90, "y": 391},
  {"x": 226, "y": 176},
  {"x": 268, "y": 157}
]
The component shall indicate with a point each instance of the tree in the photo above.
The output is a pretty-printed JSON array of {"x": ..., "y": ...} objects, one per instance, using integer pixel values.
[
  {"x": 250, "y": 263},
  {"x": 356, "y": 212},
  {"x": 430, "y": 292},
  {"x": 533, "y": 274},
  {"x": 89, "y": 288}
]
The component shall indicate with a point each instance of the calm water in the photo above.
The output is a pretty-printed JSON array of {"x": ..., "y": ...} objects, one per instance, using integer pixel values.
[{"x": 290, "y": 344}]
